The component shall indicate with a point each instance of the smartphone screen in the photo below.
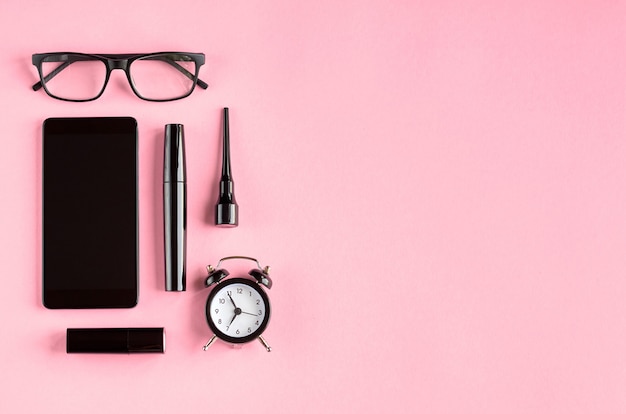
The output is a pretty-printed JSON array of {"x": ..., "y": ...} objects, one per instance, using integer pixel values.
[{"x": 90, "y": 213}]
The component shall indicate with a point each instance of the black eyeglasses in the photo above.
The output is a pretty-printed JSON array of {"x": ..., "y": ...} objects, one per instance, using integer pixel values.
[{"x": 81, "y": 77}]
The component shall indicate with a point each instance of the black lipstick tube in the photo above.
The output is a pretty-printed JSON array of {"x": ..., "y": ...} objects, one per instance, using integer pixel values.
[
  {"x": 115, "y": 340},
  {"x": 175, "y": 208}
]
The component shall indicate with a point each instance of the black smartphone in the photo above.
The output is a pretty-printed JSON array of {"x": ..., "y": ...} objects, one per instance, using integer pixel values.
[{"x": 90, "y": 213}]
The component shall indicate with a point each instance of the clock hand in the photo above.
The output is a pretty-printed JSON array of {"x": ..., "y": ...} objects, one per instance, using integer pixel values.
[
  {"x": 231, "y": 300},
  {"x": 237, "y": 313},
  {"x": 248, "y": 313}
]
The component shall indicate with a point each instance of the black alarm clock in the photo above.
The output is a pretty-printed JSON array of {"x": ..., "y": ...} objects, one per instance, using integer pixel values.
[{"x": 238, "y": 309}]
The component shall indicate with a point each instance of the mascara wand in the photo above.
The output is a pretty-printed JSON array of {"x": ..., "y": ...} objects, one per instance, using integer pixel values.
[{"x": 226, "y": 210}]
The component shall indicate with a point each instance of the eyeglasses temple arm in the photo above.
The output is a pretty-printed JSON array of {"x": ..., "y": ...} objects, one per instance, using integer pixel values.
[
  {"x": 182, "y": 70},
  {"x": 58, "y": 69},
  {"x": 202, "y": 83},
  {"x": 52, "y": 74}
]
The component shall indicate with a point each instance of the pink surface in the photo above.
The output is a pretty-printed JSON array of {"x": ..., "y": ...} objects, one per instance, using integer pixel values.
[{"x": 438, "y": 187}]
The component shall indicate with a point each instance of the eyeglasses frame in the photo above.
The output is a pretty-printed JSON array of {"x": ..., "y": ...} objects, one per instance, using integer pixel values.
[{"x": 117, "y": 61}]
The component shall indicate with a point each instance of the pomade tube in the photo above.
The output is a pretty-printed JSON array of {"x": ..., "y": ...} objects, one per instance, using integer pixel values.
[
  {"x": 115, "y": 340},
  {"x": 175, "y": 208}
]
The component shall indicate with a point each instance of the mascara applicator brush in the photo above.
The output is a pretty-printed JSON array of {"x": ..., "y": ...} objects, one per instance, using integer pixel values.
[{"x": 226, "y": 210}]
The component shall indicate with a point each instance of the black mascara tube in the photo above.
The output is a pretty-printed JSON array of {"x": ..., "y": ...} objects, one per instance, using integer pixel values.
[{"x": 175, "y": 208}]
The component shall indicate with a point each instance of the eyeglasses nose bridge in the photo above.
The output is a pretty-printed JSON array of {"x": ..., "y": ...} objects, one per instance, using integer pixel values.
[{"x": 118, "y": 64}]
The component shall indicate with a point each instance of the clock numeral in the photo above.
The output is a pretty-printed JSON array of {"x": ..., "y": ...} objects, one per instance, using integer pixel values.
[
  {"x": 239, "y": 290},
  {"x": 260, "y": 312},
  {"x": 258, "y": 301},
  {"x": 257, "y": 322},
  {"x": 222, "y": 301},
  {"x": 216, "y": 310},
  {"x": 237, "y": 331},
  {"x": 219, "y": 321},
  {"x": 249, "y": 330}
]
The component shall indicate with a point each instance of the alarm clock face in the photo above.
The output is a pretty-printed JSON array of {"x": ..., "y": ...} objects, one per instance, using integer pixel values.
[{"x": 238, "y": 310}]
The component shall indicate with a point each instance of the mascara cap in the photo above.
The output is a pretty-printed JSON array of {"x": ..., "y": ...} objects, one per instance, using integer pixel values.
[{"x": 174, "y": 162}]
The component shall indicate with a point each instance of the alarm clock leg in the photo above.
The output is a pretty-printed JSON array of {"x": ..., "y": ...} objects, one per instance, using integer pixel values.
[
  {"x": 208, "y": 344},
  {"x": 265, "y": 344}
]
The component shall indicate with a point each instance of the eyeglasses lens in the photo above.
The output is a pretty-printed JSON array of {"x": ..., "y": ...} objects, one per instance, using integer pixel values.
[
  {"x": 163, "y": 76},
  {"x": 74, "y": 77}
]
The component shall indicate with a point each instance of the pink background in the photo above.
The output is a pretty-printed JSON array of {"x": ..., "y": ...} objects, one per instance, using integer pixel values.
[{"x": 438, "y": 187}]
